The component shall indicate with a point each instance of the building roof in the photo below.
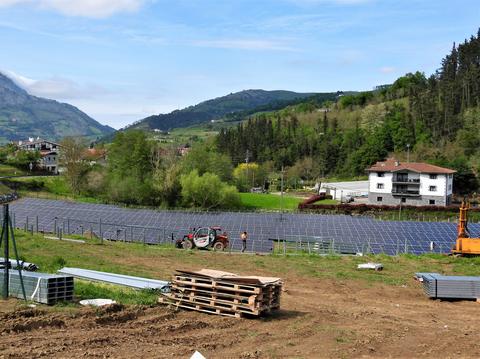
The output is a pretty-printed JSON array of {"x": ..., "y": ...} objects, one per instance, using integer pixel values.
[
  {"x": 34, "y": 141},
  {"x": 392, "y": 165}
]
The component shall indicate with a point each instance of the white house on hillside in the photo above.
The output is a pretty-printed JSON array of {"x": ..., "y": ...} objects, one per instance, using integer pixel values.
[
  {"x": 48, "y": 152},
  {"x": 392, "y": 183}
]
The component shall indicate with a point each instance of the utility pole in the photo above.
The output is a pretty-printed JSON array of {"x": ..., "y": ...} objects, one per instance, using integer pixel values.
[
  {"x": 247, "y": 158},
  {"x": 408, "y": 152},
  {"x": 281, "y": 195}
]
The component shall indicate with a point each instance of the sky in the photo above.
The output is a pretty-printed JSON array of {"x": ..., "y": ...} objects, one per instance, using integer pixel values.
[{"x": 122, "y": 60}]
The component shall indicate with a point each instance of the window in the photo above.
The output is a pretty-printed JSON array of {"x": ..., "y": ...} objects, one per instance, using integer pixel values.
[
  {"x": 381, "y": 174},
  {"x": 449, "y": 187},
  {"x": 380, "y": 186},
  {"x": 432, "y": 201},
  {"x": 404, "y": 200},
  {"x": 379, "y": 199},
  {"x": 432, "y": 188},
  {"x": 433, "y": 176}
]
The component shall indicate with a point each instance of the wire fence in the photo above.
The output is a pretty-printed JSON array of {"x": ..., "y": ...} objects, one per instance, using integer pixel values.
[
  {"x": 279, "y": 244},
  {"x": 330, "y": 246},
  {"x": 127, "y": 233}
]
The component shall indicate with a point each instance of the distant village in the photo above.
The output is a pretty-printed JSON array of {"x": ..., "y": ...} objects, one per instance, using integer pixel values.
[{"x": 49, "y": 152}]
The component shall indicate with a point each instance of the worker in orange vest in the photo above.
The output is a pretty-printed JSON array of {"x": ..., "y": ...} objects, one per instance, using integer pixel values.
[{"x": 244, "y": 237}]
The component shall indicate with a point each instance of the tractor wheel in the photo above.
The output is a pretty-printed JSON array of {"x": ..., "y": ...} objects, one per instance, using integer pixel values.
[
  {"x": 218, "y": 246},
  {"x": 187, "y": 244}
]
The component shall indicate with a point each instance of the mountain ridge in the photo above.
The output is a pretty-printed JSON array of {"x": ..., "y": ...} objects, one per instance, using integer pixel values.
[
  {"x": 223, "y": 107},
  {"x": 23, "y": 115}
]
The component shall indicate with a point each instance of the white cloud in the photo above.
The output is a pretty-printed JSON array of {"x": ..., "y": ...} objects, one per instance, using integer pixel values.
[
  {"x": 85, "y": 8},
  {"x": 57, "y": 88},
  {"x": 245, "y": 44},
  {"x": 387, "y": 69}
]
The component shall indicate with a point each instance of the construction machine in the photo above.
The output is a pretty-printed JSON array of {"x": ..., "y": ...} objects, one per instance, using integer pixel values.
[
  {"x": 203, "y": 238},
  {"x": 465, "y": 246}
]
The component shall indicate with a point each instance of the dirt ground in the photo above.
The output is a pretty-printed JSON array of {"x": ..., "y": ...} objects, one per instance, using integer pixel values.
[{"x": 320, "y": 318}]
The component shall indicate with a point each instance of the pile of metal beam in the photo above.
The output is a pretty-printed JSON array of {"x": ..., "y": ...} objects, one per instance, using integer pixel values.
[
  {"x": 117, "y": 279},
  {"x": 450, "y": 287},
  {"x": 40, "y": 287},
  {"x": 223, "y": 293},
  {"x": 32, "y": 267}
]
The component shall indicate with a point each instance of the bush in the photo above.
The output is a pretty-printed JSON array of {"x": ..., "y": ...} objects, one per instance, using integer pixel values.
[{"x": 208, "y": 191}]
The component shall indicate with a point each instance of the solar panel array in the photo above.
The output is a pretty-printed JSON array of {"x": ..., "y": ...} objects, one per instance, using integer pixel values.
[{"x": 158, "y": 226}]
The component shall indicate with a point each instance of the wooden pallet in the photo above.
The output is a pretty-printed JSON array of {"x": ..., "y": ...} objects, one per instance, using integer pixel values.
[
  {"x": 200, "y": 308},
  {"x": 201, "y": 282},
  {"x": 271, "y": 295},
  {"x": 255, "y": 309},
  {"x": 222, "y": 296}
]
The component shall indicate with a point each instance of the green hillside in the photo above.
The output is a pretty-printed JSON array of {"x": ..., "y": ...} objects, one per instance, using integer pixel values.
[
  {"x": 232, "y": 107},
  {"x": 23, "y": 115}
]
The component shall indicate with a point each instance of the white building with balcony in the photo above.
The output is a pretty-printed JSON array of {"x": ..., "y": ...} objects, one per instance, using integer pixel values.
[
  {"x": 416, "y": 184},
  {"x": 48, "y": 152}
]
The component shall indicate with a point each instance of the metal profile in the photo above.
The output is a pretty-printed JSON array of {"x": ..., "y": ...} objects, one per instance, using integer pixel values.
[
  {"x": 41, "y": 287},
  {"x": 117, "y": 279}
]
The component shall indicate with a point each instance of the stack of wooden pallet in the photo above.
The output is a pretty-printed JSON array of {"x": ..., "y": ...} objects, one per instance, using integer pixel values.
[{"x": 224, "y": 293}]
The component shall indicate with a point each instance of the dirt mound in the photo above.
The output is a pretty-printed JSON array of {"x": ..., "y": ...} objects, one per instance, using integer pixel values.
[{"x": 28, "y": 320}]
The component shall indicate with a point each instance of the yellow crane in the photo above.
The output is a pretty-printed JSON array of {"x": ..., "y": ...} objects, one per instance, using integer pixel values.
[{"x": 465, "y": 246}]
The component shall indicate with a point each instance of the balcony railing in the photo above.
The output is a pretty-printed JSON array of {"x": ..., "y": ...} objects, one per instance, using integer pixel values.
[
  {"x": 414, "y": 181},
  {"x": 405, "y": 193}
]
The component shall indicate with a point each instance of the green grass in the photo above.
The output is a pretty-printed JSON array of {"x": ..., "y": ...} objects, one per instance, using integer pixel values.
[
  {"x": 6, "y": 170},
  {"x": 269, "y": 201},
  {"x": 4, "y": 189}
]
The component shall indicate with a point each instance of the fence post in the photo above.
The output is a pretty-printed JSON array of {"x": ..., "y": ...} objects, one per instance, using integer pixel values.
[
  {"x": 68, "y": 225},
  {"x": 36, "y": 222},
  {"x": 26, "y": 225},
  {"x": 284, "y": 247},
  {"x": 144, "y": 230},
  {"x": 406, "y": 247},
  {"x": 100, "y": 229}
]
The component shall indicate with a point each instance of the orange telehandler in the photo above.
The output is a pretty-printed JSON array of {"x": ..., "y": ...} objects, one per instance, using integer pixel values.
[{"x": 465, "y": 245}]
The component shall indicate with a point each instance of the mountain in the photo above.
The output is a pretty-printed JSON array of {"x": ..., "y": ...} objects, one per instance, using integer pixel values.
[
  {"x": 23, "y": 115},
  {"x": 230, "y": 106}
]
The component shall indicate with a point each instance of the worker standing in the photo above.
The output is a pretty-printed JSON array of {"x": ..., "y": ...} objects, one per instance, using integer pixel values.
[{"x": 244, "y": 237}]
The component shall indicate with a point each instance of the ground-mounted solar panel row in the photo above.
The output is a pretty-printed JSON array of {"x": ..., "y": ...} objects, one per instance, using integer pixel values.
[{"x": 360, "y": 234}]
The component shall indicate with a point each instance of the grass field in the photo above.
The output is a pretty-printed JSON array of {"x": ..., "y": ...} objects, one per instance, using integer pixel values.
[
  {"x": 6, "y": 170},
  {"x": 4, "y": 189},
  {"x": 269, "y": 201}
]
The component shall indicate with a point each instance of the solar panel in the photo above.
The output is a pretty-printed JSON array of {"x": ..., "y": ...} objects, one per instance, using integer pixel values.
[{"x": 158, "y": 226}]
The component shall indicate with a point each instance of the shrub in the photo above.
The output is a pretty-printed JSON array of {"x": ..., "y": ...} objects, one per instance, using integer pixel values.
[{"x": 208, "y": 191}]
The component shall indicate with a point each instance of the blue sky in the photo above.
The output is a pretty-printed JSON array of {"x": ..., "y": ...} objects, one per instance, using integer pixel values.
[{"x": 122, "y": 60}]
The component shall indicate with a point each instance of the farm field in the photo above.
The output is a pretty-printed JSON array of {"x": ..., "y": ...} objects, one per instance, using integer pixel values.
[
  {"x": 266, "y": 201},
  {"x": 7, "y": 170},
  {"x": 329, "y": 309}
]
